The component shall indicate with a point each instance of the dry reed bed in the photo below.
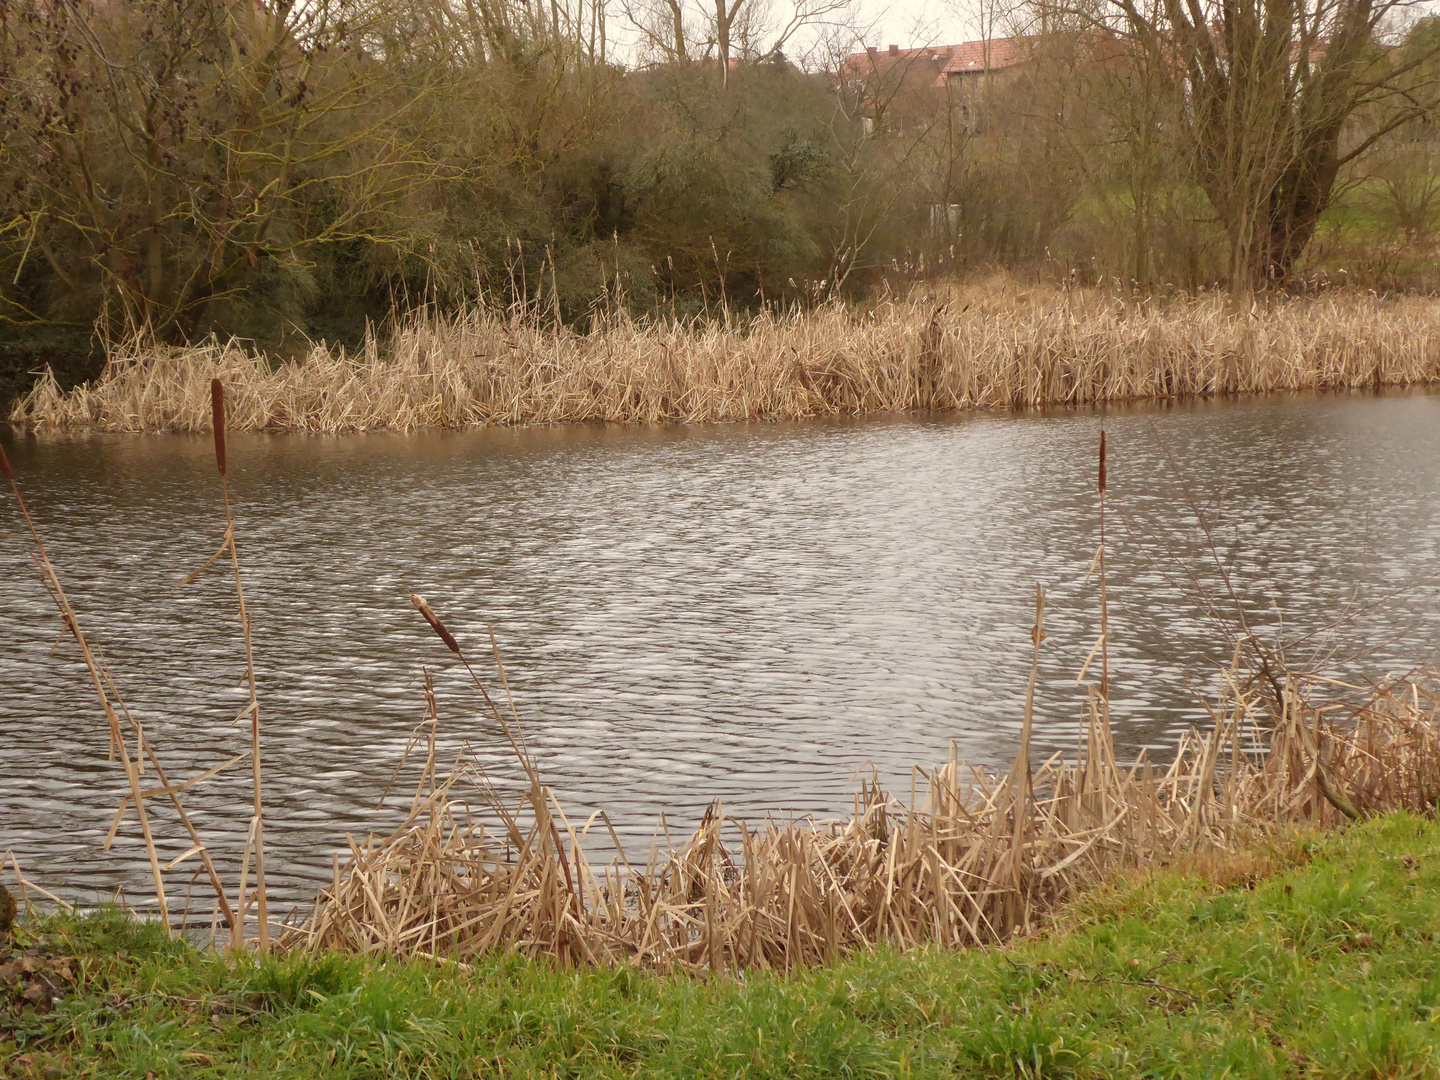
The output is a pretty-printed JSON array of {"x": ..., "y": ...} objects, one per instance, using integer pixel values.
[
  {"x": 980, "y": 858},
  {"x": 977, "y": 347}
]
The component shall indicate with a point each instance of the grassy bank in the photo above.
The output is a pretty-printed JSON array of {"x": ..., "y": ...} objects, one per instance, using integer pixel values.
[
  {"x": 1314, "y": 957},
  {"x": 987, "y": 345}
]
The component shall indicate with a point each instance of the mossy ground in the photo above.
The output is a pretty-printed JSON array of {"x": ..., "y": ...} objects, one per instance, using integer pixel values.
[{"x": 1316, "y": 957}]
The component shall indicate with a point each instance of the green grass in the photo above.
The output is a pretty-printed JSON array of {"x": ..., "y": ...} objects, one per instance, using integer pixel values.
[{"x": 1328, "y": 967}]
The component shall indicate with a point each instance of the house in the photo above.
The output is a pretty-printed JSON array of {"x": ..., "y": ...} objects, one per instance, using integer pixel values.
[
  {"x": 943, "y": 65},
  {"x": 964, "y": 74}
]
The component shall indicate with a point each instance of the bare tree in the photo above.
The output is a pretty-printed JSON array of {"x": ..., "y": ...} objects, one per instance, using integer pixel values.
[
  {"x": 665, "y": 27},
  {"x": 162, "y": 150},
  {"x": 897, "y": 148},
  {"x": 1265, "y": 98},
  {"x": 728, "y": 31}
]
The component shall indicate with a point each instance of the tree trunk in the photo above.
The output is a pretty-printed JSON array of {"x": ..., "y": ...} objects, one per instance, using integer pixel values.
[
  {"x": 1294, "y": 208},
  {"x": 723, "y": 19}
]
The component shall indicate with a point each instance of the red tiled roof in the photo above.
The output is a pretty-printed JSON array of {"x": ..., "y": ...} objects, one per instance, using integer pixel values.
[
  {"x": 945, "y": 61},
  {"x": 997, "y": 54},
  {"x": 942, "y": 63}
]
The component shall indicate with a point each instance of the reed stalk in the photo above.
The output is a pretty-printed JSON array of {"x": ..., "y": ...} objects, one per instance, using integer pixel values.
[
  {"x": 1104, "y": 597},
  {"x": 255, "y": 836},
  {"x": 992, "y": 345},
  {"x": 1104, "y": 606},
  {"x": 99, "y": 680},
  {"x": 975, "y": 858},
  {"x": 113, "y": 704}
]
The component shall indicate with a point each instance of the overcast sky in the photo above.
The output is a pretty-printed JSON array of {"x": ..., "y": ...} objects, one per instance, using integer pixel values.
[
  {"x": 912, "y": 24},
  {"x": 909, "y": 24}
]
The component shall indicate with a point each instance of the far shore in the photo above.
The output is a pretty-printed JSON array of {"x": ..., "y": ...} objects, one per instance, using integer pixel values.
[{"x": 982, "y": 346}]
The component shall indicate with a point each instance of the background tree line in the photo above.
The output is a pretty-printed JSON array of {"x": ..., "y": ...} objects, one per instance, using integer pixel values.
[{"x": 280, "y": 169}]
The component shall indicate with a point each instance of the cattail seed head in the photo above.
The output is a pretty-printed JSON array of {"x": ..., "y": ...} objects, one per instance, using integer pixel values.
[
  {"x": 217, "y": 421},
  {"x": 1102, "y": 461},
  {"x": 5, "y": 466},
  {"x": 435, "y": 623}
]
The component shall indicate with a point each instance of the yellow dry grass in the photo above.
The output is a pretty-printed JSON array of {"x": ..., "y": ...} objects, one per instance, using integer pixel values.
[
  {"x": 980, "y": 857},
  {"x": 990, "y": 345}
]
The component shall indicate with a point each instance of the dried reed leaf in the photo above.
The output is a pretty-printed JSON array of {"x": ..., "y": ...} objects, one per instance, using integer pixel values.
[
  {"x": 995, "y": 345},
  {"x": 960, "y": 867}
]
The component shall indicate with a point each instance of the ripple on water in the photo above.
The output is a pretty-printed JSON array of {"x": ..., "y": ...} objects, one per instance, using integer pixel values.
[{"x": 750, "y": 612}]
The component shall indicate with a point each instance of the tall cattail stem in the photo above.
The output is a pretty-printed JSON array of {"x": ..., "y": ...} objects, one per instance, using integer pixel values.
[
  {"x": 98, "y": 679},
  {"x": 217, "y": 421},
  {"x": 1102, "y": 484},
  {"x": 511, "y": 735},
  {"x": 538, "y": 792},
  {"x": 255, "y": 842}
]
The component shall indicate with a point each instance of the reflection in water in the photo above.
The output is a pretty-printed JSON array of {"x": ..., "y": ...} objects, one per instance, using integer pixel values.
[{"x": 751, "y": 612}]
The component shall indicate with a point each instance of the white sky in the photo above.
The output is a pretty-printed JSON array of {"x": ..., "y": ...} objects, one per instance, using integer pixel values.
[
  {"x": 913, "y": 24},
  {"x": 910, "y": 23},
  {"x": 906, "y": 23}
]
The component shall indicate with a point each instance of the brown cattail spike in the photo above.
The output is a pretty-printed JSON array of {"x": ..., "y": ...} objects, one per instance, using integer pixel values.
[
  {"x": 435, "y": 623},
  {"x": 217, "y": 419},
  {"x": 5, "y": 466},
  {"x": 1102, "y": 461}
]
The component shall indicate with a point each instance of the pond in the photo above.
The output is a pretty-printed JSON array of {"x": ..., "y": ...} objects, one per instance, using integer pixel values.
[{"x": 759, "y": 613}]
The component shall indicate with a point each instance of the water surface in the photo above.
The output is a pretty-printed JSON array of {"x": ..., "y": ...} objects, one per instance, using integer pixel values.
[{"x": 746, "y": 612}]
